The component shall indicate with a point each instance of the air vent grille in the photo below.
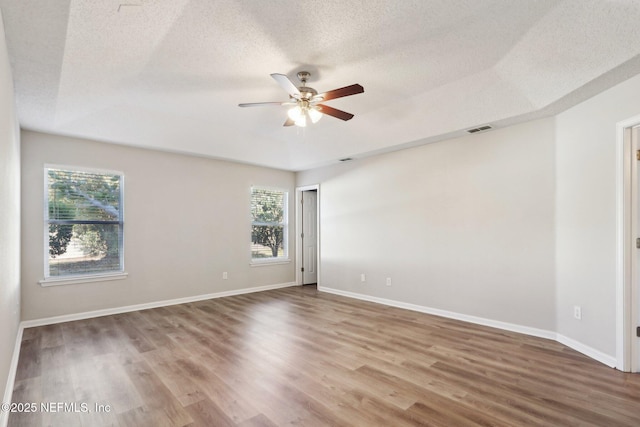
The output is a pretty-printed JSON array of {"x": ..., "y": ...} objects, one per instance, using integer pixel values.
[{"x": 480, "y": 129}]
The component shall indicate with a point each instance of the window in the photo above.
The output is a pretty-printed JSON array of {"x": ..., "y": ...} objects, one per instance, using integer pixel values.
[
  {"x": 268, "y": 225},
  {"x": 83, "y": 223}
]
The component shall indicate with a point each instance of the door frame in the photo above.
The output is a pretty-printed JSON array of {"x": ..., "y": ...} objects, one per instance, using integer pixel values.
[
  {"x": 627, "y": 287},
  {"x": 299, "y": 191}
]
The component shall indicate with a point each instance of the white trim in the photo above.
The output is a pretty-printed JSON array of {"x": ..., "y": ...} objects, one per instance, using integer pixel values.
[
  {"x": 74, "y": 280},
  {"x": 444, "y": 313},
  {"x": 4, "y": 416},
  {"x": 11, "y": 377},
  {"x": 308, "y": 187},
  {"x": 144, "y": 306},
  {"x": 83, "y": 169},
  {"x": 625, "y": 261},
  {"x": 269, "y": 261},
  {"x": 540, "y": 333},
  {"x": 601, "y": 357},
  {"x": 45, "y": 223}
]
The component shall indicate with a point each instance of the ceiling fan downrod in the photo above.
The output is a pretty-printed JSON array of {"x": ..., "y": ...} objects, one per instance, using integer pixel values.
[{"x": 306, "y": 92}]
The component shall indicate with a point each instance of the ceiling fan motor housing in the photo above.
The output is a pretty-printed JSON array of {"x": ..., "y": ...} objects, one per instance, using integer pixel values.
[{"x": 306, "y": 92}]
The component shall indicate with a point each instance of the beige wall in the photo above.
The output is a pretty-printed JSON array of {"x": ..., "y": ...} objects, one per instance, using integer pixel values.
[
  {"x": 9, "y": 218},
  {"x": 516, "y": 225},
  {"x": 186, "y": 221},
  {"x": 586, "y": 214},
  {"x": 465, "y": 225}
]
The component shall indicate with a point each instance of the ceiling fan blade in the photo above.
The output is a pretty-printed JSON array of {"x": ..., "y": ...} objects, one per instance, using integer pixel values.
[
  {"x": 339, "y": 93},
  {"x": 289, "y": 122},
  {"x": 286, "y": 84},
  {"x": 265, "y": 104},
  {"x": 334, "y": 112}
]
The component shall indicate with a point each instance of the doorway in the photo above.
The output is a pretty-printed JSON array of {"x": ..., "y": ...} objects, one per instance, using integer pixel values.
[
  {"x": 308, "y": 240},
  {"x": 628, "y": 283},
  {"x": 634, "y": 295}
]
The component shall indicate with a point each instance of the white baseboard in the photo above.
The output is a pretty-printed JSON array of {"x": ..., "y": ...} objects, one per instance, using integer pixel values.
[
  {"x": 584, "y": 349},
  {"x": 601, "y": 357},
  {"x": 4, "y": 416},
  {"x": 11, "y": 378},
  {"x": 144, "y": 306},
  {"x": 541, "y": 333}
]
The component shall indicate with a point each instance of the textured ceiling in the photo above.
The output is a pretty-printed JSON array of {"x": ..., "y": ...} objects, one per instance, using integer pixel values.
[{"x": 169, "y": 74}]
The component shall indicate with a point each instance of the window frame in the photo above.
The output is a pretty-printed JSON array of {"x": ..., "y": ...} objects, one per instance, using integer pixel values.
[
  {"x": 284, "y": 259},
  {"x": 86, "y": 277}
]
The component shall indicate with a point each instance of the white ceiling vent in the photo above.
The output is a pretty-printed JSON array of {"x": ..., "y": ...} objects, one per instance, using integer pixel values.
[{"x": 480, "y": 129}]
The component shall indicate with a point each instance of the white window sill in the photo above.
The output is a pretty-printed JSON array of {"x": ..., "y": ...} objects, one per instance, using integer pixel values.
[
  {"x": 74, "y": 280},
  {"x": 264, "y": 263}
]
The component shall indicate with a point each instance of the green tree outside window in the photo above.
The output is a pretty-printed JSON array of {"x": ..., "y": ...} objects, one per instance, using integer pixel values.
[
  {"x": 268, "y": 227},
  {"x": 85, "y": 222}
]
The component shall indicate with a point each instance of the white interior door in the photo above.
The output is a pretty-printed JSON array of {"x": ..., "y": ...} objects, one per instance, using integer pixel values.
[{"x": 309, "y": 237}]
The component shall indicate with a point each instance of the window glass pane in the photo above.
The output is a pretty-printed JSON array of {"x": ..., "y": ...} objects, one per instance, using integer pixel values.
[
  {"x": 267, "y": 206},
  {"x": 268, "y": 228},
  {"x": 84, "y": 249},
  {"x": 75, "y": 195},
  {"x": 267, "y": 241},
  {"x": 84, "y": 223}
]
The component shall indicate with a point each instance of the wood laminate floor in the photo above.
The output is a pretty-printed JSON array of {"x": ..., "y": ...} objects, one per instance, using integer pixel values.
[{"x": 296, "y": 356}]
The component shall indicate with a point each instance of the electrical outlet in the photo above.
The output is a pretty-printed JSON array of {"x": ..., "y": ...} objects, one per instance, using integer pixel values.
[
  {"x": 577, "y": 312},
  {"x": 363, "y": 278},
  {"x": 388, "y": 281},
  {"x": 225, "y": 275}
]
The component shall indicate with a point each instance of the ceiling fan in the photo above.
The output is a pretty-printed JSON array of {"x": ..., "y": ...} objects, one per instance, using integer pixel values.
[{"x": 305, "y": 102}]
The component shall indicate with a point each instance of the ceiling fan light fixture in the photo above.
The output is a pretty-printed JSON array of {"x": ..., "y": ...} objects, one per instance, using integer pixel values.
[
  {"x": 301, "y": 121},
  {"x": 314, "y": 114},
  {"x": 302, "y": 114},
  {"x": 295, "y": 113}
]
